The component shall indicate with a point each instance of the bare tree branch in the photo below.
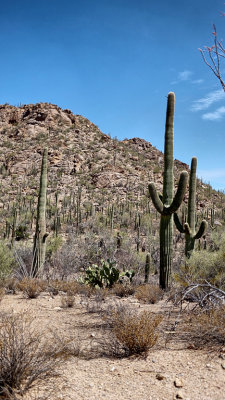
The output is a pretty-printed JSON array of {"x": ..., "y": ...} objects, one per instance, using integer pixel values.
[{"x": 212, "y": 57}]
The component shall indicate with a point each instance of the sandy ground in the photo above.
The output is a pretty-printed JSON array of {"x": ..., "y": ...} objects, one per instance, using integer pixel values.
[{"x": 200, "y": 375}]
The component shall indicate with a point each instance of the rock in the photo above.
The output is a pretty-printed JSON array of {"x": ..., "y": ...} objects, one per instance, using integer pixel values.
[
  {"x": 178, "y": 383},
  {"x": 179, "y": 395},
  {"x": 223, "y": 365},
  {"x": 160, "y": 377}
]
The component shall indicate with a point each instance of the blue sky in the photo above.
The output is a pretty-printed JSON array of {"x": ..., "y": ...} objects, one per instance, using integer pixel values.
[{"x": 114, "y": 62}]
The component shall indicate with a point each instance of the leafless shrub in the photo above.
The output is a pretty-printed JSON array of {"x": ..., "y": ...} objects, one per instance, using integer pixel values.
[
  {"x": 149, "y": 294},
  {"x": 65, "y": 261},
  {"x": 24, "y": 257},
  {"x": 95, "y": 302},
  {"x": 206, "y": 327},
  {"x": 26, "y": 359}
]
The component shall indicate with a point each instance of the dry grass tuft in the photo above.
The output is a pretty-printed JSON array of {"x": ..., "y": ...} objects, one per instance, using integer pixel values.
[{"x": 149, "y": 294}]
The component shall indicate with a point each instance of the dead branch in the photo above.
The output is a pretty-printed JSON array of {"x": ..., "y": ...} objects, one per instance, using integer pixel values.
[
  {"x": 204, "y": 295},
  {"x": 212, "y": 56}
]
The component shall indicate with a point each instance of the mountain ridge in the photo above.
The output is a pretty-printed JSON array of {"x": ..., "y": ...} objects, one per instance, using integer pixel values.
[{"x": 79, "y": 154}]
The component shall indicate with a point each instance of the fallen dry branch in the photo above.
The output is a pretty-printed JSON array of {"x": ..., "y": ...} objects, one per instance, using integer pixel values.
[{"x": 204, "y": 295}]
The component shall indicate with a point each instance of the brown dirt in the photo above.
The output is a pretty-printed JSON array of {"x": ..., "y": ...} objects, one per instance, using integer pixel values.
[{"x": 90, "y": 376}]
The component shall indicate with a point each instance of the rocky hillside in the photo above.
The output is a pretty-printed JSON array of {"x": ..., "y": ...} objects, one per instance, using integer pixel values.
[{"x": 80, "y": 156}]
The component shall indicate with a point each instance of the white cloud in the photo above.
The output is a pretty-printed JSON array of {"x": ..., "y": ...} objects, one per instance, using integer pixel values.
[
  {"x": 209, "y": 99},
  {"x": 198, "y": 81},
  {"x": 213, "y": 116},
  {"x": 184, "y": 75}
]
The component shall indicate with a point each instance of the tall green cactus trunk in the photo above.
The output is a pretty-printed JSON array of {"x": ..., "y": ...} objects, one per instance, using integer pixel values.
[
  {"x": 169, "y": 203},
  {"x": 189, "y": 227},
  {"x": 40, "y": 237},
  {"x": 190, "y": 234}
]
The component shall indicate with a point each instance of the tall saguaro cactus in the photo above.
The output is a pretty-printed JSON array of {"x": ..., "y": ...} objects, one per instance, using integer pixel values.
[
  {"x": 40, "y": 237},
  {"x": 190, "y": 226},
  {"x": 167, "y": 204}
]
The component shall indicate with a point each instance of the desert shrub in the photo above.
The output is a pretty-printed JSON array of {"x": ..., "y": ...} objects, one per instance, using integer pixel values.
[
  {"x": 25, "y": 360},
  {"x": 135, "y": 333},
  {"x": 71, "y": 287},
  {"x": 6, "y": 260},
  {"x": 24, "y": 257},
  {"x": 206, "y": 328},
  {"x": 10, "y": 285},
  {"x": 31, "y": 288},
  {"x": 53, "y": 245},
  {"x": 149, "y": 294},
  {"x": 66, "y": 260},
  {"x": 55, "y": 286},
  {"x": 94, "y": 301},
  {"x": 204, "y": 266},
  {"x": 123, "y": 290},
  {"x": 127, "y": 259},
  {"x": 21, "y": 232},
  {"x": 68, "y": 300}
]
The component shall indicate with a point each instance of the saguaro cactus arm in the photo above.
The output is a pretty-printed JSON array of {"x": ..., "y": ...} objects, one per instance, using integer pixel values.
[
  {"x": 187, "y": 229},
  {"x": 178, "y": 198},
  {"x": 190, "y": 226},
  {"x": 178, "y": 224},
  {"x": 201, "y": 230},
  {"x": 155, "y": 197}
]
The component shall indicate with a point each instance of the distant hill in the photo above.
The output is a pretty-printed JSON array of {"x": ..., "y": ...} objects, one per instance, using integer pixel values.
[{"x": 80, "y": 155}]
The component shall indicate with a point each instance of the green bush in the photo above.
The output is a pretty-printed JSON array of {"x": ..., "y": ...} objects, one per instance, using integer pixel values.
[
  {"x": 6, "y": 260},
  {"x": 205, "y": 265}
]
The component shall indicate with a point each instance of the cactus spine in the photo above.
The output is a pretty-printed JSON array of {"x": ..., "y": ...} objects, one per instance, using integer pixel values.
[
  {"x": 39, "y": 248},
  {"x": 168, "y": 204},
  {"x": 189, "y": 227}
]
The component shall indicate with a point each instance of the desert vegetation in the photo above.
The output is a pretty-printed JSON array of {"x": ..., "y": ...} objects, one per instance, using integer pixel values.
[{"x": 104, "y": 253}]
